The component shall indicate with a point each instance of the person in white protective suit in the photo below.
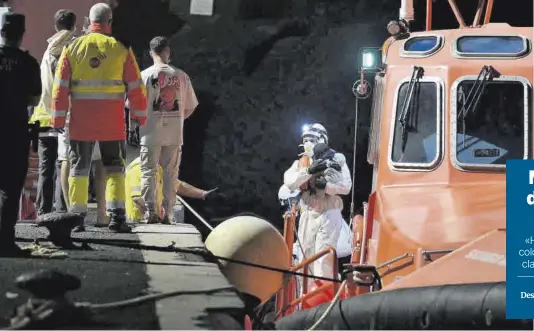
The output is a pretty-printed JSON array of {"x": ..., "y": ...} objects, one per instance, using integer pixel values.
[
  {"x": 321, "y": 222},
  {"x": 344, "y": 243}
]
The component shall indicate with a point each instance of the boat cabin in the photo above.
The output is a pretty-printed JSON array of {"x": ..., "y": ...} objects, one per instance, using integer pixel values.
[{"x": 450, "y": 107}]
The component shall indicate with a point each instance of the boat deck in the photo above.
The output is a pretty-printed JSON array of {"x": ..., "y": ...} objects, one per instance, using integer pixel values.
[{"x": 109, "y": 273}]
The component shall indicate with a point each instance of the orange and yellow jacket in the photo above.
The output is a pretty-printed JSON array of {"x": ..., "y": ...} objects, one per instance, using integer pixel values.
[{"x": 94, "y": 75}]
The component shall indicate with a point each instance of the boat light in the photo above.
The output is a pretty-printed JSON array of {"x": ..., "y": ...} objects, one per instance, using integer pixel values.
[
  {"x": 397, "y": 28},
  {"x": 368, "y": 60}
]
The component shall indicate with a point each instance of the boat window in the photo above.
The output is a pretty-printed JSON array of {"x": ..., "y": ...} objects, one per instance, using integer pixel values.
[
  {"x": 376, "y": 114},
  {"x": 421, "y": 46},
  {"x": 491, "y": 46},
  {"x": 494, "y": 129},
  {"x": 417, "y": 143}
]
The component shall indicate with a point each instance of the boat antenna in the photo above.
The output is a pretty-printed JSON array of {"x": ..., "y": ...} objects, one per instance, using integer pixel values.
[{"x": 361, "y": 90}]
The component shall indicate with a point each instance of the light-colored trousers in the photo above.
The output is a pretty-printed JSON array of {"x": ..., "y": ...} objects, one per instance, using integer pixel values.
[{"x": 168, "y": 157}]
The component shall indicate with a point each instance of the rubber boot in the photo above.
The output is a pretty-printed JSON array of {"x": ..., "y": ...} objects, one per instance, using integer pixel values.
[
  {"x": 117, "y": 221},
  {"x": 81, "y": 226}
]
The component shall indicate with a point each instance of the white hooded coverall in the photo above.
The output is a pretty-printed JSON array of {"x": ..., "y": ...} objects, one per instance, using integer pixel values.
[{"x": 320, "y": 213}]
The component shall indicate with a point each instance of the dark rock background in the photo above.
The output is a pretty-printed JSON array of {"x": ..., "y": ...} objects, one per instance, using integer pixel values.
[{"x": 254, "y": 97}]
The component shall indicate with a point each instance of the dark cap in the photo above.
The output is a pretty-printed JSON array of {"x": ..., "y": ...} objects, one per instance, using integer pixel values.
[{"x": 14, "y": 22}]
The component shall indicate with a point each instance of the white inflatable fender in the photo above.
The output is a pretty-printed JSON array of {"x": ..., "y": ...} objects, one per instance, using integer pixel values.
[{"x": 255, "y": 240}]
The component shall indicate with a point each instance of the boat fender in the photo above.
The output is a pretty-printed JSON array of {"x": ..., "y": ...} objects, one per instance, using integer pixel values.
[
  {"x": 446, "y": 307},
  {"x": 255, "y": 240}
]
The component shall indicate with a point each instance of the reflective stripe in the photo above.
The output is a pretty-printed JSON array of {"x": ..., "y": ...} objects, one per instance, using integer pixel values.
[
  {"x": 48, "y": 134},
  {"x": 97, "y": 82},
  {"x": 135, "y": 188},
  {"x": 78, "y": 208},
  {"x": 97, "y": 96},
  {"x": 115, "y": 190},
  {"x": 115, "y": 205},
  {"x": 134, "y": 85},
  {"x": 139, "y": 113},
  {"x": 115, "y": 170},
  {"x": 59, "y": 113},
  {"x": 77, "y": 173},
  {"x": 61, "y": 82}
]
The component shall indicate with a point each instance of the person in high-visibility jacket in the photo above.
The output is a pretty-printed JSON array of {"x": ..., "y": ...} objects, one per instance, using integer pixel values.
[
  {"x": 135, "y": 204},
  {"x": 94, "y": 73},
  {"x": 97, "y": 165},
  {"x": 48, "y": 197}
]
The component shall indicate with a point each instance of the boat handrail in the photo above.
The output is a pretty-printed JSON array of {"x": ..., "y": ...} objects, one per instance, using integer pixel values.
[{"x": 287, "y": 297}]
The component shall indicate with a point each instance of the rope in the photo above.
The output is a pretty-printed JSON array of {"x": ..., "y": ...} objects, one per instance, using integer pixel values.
[
  {"x": 330, "y": 307},
  {"x": 254, "y": 265},
  {"x": 200, "y": 218},
  {"x": 152, "y": 297},
  {"x": 354, "y": 147},
  {"x": 46, "y": 309}
]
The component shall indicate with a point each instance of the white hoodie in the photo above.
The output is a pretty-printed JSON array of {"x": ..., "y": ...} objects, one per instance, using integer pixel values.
[{"x": 56, "y": 43}]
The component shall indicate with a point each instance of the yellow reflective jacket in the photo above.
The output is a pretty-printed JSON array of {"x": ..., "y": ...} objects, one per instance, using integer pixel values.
[{"x": 56, "y": 43}]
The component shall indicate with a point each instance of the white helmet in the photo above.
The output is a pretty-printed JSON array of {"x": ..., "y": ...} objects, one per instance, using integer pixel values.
[{"x": 315, "y": 130}]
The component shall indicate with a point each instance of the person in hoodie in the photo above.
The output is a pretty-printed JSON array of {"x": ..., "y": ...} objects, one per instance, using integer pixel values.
[{"x": 49, "y": 192}]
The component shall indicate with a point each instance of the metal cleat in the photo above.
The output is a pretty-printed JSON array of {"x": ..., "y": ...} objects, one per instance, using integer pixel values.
[
  {"x": 363, "y": 275},
  {"x": 60, "y": 226},
  {"x": 47, "y": 308}
]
